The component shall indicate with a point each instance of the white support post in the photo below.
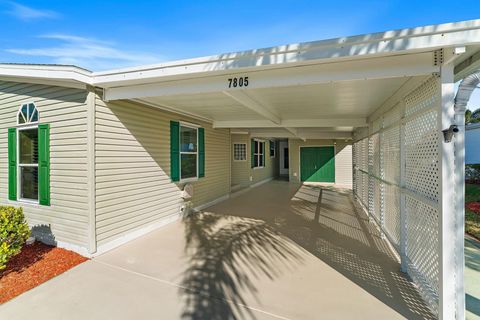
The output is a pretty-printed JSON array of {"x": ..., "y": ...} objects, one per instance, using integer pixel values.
[
  {"x": 92, "y": 229},
  {"x": 460, "y": 211},
  {"x": 447, "y": 232},
  {"x": 403, "y": 212}
]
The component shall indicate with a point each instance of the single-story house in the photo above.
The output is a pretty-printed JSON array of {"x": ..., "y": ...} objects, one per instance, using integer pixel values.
[
  {"x": 472, "y": 143},
  {"x": 99, "y": 158}
]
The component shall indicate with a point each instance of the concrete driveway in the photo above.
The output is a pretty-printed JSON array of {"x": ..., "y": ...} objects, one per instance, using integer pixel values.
[{"x": 270, "y": 253}]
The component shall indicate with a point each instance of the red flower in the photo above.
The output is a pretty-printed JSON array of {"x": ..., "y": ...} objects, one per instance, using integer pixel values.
[{"x": 473, "y": 206}]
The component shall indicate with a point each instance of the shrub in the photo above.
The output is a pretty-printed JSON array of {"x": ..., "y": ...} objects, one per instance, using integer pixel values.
[
  {"x": 14, "y": 232},
  {"x": 472, "y": 173}
]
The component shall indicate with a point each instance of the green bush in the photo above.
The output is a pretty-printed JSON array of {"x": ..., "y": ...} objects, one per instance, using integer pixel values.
[
  {"x": 472, "y": 173},
  {"x": 14, "y": 231}
]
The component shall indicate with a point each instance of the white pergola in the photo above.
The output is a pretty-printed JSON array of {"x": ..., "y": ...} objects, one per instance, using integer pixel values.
[{"x": 392, "y": 93}]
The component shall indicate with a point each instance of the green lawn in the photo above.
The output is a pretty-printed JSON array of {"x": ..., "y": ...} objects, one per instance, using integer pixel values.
[{"x": 472, "y": 220}]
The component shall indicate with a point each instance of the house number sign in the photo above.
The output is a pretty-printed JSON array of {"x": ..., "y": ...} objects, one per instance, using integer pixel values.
[{"x": 238, "y": 82}]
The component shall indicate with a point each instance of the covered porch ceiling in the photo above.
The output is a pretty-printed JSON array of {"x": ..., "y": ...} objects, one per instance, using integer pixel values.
[
  {"x": 330, "y": 110},
  {"x": 313, "y": 100}
]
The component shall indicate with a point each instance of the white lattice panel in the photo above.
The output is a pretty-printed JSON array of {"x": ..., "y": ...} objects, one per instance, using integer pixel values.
[
  {"x": 365, "y": 184},
  {"x": 371, "y": 195},
  {"x": 363, "y": 154},
  {"x": 424, "y": 97},
  {"x": 354, "y": 164},
  {"x": 378, "y": 199},
  {"x": 422, "y": 177},
  {"x": 392, "y": 213},
  {"x": 391, "y": 155},
  {"x": 393, "y": 116},
  {"x": 374, "y": 192},
  {"x": 374, "y": 155},
  {"x": 421, "y": 155},
  {"x": 422, "y": 246},
  {"x": 359, "y": 184},
  {"x": 380, "y": 191}
]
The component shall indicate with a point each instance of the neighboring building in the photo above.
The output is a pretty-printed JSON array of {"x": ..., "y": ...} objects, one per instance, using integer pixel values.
[
  {"x": 99, "y": 158},
  {"x": 472, "y": 143}
]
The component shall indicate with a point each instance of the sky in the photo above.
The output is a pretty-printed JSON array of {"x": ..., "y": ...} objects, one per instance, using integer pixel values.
[{"x": 101, "y": 35}]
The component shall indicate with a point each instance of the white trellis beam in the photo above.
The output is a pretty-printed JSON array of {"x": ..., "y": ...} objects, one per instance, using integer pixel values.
[{"x": 247, "y": 101}]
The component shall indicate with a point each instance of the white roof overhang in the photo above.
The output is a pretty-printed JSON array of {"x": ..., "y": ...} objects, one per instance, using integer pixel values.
[
  {"x": 293, "y": 90},
  {"x": 70, "y": 76}
]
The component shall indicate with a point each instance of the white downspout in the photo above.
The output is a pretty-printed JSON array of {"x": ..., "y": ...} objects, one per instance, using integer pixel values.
[{"x": 462, "y": 97}]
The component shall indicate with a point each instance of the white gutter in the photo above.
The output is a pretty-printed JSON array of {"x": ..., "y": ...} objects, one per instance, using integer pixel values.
[{"x": 465, "y": 90}]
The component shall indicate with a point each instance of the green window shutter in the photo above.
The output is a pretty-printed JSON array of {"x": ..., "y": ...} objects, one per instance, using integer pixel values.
[
  {"x": 201, "y": 152},
  {"x": 175, "y": 151},
  {"x": 252, "y": 150},
  {"x": 44, "y": 164},
  {"x": 12, "y": 164}
]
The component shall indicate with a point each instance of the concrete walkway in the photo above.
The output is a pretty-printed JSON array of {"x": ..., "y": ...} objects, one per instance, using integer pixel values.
[
  {"x": 472, "y": 278},
  {"x": 270, "y": 253}
]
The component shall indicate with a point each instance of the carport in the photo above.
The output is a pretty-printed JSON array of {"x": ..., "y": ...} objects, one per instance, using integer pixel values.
[
  {"x": 390, "y": 93},
  {"x": 279, "y": 251}
]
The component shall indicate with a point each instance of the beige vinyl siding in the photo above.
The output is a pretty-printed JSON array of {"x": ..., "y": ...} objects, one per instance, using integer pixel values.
[
  {"x": 343, "y": 159},
  {"x": 65, "y": 110},
  {"x": 132, "y": 150},
  {"x": 242, "y": 171}
]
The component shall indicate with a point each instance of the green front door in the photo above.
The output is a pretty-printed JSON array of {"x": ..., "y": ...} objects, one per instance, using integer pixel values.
[{"x": 317, "y": 164}]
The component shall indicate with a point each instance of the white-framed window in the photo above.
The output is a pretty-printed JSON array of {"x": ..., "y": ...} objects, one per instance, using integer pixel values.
[
  {"x": 273, "y": 150},
  {"x": 188, "y": 152},
  {"x": 258, "y": 154},
  {"x": 27, "y": 153},
  {"x": 239, "y": 152},
  {"x": 27, "y": 114}
]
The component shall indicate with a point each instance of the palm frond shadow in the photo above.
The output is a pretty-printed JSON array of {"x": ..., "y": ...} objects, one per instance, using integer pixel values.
[{"x": 226, "y": 255}]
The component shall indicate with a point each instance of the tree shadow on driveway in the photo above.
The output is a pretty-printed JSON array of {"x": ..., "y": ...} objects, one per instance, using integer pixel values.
[
  {"x": 226, "y": 255},
  {"x": 269, "y": 230}
]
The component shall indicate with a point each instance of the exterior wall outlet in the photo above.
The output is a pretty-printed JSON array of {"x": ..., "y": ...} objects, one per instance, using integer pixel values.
[
  {"x": 294, "y": 174},
  {"x": 251, "y": 178}
]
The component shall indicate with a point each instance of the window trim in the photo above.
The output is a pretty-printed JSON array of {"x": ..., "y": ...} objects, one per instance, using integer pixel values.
[
  {"x": 23, "y": 127},
  {"x": 233, "y": 151},
  {"x": 256, "y": 166},
  {"x": 191, "y": 126},
  {"x": 31, "y": 122}
]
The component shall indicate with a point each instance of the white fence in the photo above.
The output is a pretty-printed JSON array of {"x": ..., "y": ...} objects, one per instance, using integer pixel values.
[{"x": 397, "y": 179}]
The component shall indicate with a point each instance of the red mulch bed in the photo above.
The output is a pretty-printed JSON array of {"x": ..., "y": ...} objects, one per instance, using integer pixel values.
[
  {"x": 473, "y": 206},
  {"x": 34, "y": 265}
]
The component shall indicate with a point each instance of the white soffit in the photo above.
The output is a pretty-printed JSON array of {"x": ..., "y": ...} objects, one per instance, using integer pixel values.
[
  {"x": 340, "y": 99},
  {"x": 347, "y": 103},
  {"x": 214, "y": 106}
]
